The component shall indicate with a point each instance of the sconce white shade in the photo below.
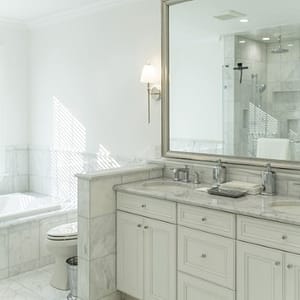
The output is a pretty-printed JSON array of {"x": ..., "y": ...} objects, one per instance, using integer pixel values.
[{"x": 148, "y": 74}]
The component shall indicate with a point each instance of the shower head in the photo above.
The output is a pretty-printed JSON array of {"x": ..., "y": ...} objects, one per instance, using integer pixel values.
[
  {"x": 261, "y": 87},
  {"x": 279, "y": 49}
]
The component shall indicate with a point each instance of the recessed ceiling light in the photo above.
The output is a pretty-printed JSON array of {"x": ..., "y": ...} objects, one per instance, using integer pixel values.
[
  {"x": 242, "y": 42},
  {"x": 265, "y": 38},
  {"x": 290, "y": 45},
  {"x": 244, "y": 20}
]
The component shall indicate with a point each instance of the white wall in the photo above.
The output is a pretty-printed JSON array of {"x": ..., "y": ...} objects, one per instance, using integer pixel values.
[
  {"x": 13, "y": 108},
  {"x": 92, "y": 65},
  {"x": 13, "y": 85}
]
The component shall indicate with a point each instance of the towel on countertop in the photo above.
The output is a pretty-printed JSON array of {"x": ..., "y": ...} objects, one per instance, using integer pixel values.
[
  {"x": 273, "y": 148},
  {"x": 249, "y": 188}
]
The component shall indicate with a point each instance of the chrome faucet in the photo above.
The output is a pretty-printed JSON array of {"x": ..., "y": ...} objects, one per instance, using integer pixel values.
[
  {"x": 178, "y": 171},
  {"x": 219, "y": 173}
]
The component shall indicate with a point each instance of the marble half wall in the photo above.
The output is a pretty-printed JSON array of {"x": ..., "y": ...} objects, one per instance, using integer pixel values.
[{"x": 97, "y": 226}]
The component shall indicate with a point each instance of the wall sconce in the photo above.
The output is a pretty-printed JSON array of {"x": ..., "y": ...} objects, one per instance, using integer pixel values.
[{"x": 149, "y": 77}]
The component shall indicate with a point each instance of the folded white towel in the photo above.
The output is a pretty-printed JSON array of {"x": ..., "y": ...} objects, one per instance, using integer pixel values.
[
  {"x": 273, "y": 148},
  {"x": 250, "y": 188}
]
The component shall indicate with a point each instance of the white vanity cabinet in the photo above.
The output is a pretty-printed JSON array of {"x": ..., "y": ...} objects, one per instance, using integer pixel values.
[
  {"x": 172, "y": 251},
  {"x": 292, "y": 277},
  {"x": 263, "y": 272},
  {"x": 146, "y": 255},
  {"x": 259, "y": 273},
  {"x": 130, "y": 251},
  {"x": 191, "y": 288}
]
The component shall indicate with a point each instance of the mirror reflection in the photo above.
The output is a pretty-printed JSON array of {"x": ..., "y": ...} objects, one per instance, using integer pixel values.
[{"x": 235, "y": 80}]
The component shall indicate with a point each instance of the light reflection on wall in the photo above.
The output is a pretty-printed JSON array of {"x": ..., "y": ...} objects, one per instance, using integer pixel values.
[
  {"x": 69, "y": 156},
  {"x": 68, "y": 144}
]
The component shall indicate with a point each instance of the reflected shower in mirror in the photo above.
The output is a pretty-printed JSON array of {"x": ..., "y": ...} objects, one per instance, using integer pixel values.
[{"x": 234, "y": 89}]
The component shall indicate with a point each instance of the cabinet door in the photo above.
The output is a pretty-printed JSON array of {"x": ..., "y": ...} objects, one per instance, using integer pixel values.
[
  {"x": 259, "y": 273},
  {"x": 191, "y": 288},
  {"x": 160, "y": 260},
  {"x": 292, "y": 277},
  {"x": 130, "y": 254}
]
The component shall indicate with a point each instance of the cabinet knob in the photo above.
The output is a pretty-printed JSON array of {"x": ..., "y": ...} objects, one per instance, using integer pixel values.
[
  {"x": 146, "y": 227},
  {"x": 139, "y": 225},
  {"x": 277, "y": 263},
  {"x": 203, "y": 255},
  {"x": 284, "y": 237},
  {"x": 289, "y": 266},
  {"x": 204, "y": 219},
  {"x": 144, "y": 206}
]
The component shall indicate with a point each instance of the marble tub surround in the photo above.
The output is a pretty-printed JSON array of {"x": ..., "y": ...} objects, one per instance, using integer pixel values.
[
  {"x": 22, "y": 242},
  {"x": 96, "y": 227}
]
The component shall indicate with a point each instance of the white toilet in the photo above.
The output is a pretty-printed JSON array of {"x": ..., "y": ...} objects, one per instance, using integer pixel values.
[{"x": 62, "y": 244}]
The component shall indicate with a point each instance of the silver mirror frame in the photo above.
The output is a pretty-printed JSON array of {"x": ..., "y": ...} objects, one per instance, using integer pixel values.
[{"x": 166, "y": 152}]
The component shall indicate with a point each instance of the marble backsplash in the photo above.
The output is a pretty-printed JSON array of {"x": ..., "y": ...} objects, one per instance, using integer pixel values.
[{"x": 287, "y": 181}]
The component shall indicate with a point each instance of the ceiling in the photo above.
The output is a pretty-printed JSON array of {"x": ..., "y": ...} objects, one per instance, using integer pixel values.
[
  {"x": 287, "y": 32},
  {"x": 195, "y": 19},
  {"x": 32, "y": 10}
]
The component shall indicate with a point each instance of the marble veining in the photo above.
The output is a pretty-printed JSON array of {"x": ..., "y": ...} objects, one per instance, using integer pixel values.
[
  {"x": 31, "y": 286},
  {"x": 256, "y": 206}
]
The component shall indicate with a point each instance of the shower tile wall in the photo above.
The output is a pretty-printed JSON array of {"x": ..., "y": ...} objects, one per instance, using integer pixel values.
[{"x": 283, "y": 80}]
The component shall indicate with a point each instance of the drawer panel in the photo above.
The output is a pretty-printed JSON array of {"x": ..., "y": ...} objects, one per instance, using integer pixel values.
[
  {"x": 268, "y": 233},
  {"x": 191, "y": 288},
  {"x": 148, "y": 207},
  {"x": 207, "y": 256},
  {"x": 207, "y": 220}
]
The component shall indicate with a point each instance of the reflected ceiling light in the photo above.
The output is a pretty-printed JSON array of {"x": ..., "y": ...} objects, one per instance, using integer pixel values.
[
  {"x": 290, "y": 45},
  {"x": 266, "y": 38},
  {"x": 149, "y": 76},
  {"x": 242, "y": 42},
  {"x": 244, "y": 20}
]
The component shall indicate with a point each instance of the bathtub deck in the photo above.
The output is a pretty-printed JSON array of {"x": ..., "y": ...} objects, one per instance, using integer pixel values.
[{"x": 33, "y": 285}]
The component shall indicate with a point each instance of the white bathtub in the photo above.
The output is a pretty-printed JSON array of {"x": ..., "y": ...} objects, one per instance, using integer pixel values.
[{"x": 18, "y": 205}]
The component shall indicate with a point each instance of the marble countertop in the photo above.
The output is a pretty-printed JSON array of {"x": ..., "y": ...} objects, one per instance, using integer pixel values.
[{"x": 258, "y": 206}]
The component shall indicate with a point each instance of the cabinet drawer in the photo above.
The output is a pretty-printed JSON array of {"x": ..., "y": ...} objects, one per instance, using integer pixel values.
[
  {"x": 207, "y": 256},
  {"x": 148, "y": 207},
  {"x": 268, "y": 233},
  {"x": 191, "y": 288},
  {"x": 207, "y": 220}
]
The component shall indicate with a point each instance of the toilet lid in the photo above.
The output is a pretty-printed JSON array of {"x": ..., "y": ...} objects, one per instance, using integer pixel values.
[{"x": 64, "y": 231}]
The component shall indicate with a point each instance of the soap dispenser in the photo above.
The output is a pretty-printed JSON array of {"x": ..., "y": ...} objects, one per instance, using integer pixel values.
[
  {"x": 269, "y": 181},
  {"x": 219, "y": 173}
]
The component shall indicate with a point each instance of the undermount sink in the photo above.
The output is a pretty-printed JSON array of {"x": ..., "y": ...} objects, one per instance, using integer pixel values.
[
  {"x": 166, "y": 186},
  {"x": 290, "y": 207}
]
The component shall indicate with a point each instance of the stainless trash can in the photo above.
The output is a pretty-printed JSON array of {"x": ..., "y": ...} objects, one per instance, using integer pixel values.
[{"x": 72, "y": 265}]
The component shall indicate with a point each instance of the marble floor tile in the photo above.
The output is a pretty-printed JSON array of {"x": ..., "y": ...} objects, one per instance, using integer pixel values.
[{"x": 31, "y": 286}]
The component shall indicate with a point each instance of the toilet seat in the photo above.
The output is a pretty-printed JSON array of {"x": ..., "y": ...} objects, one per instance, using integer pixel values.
[{"x": 64, "y": 232}]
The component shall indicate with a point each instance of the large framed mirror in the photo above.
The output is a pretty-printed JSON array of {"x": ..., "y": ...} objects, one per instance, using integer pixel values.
[{"x": 231, "y": 81}]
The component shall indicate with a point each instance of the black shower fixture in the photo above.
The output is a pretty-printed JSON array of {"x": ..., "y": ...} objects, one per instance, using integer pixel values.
[{"x": 240, "y": 68}]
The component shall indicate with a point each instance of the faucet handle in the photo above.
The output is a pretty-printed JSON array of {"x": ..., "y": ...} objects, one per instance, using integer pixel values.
[{"x": 175, "y": 173}]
